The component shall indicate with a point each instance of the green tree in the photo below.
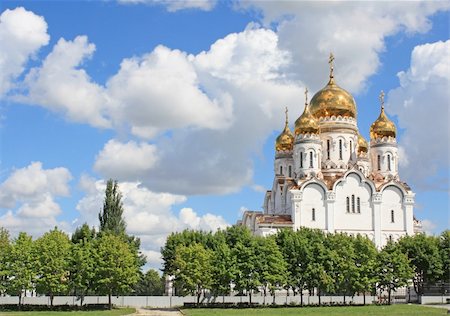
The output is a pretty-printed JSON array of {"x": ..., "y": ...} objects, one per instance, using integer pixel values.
[
  {"x": 444, "y": 249},
  {"x": 193, "y": 269},
  {"x": 82, "y": 267},
  {"x": 223, "y": 265},
  {"x": 366, "y": 262},
  {"x": 52, "y": 253},
  {"x": 150, "y": 283},
  {"x": 116, "y": 271},
  {"x": 4, "y": 250},
  {"x": 110, "y": 217},
  {"x": 393, "y": 270},
  {"x": 21, "y": 266},
  {"x": 423, "y": 252},
  {"x": 83, "y": 233}
]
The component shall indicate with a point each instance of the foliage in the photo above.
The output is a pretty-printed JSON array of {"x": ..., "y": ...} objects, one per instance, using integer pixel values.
[
  {"x": 115, "y": 270},
  {"x": 223, "y": 265},
  {"x": 21, "y": 262},
  {"x": 150, "y": 283},
  {"x": 110, "y": 218},
  {"x": 4, "y": 250},
  {"x": 423, "y": 252},
  {"x": 82, "y": 266},
  {"x": 193, "y": 268},
  {"x": 82, "y": 233},
  {"x": 52, "y": 253},
  {"x": 444, "y": 250}
]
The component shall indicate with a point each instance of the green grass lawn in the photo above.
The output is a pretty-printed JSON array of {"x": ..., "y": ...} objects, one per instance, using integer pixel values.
[
  {"x": 114, "y": 312},
  {"x": 400, "y": 310}
]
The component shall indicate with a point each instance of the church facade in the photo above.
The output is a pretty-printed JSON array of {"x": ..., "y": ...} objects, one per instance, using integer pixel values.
[{"x": 327, "y": 176}]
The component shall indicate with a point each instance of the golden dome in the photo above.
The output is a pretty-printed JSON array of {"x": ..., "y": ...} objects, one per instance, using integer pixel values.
[
  {"x": 332, "y": 100},
  {"x": 285, "y": 141},
  {"x": 362, "y": 144},
  {"x": 306, "y": 123},
  {"x": 383, "y": 126}
]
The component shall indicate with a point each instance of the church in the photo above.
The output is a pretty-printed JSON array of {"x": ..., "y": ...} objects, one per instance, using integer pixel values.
[{"x": 328, "y": 177}]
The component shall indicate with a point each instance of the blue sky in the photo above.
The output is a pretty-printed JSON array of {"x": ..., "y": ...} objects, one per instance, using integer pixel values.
[{"x": 181, "y": 102}]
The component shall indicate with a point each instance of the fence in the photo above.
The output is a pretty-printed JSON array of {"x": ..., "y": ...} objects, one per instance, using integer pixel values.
[{"x": 172, "y": 301}]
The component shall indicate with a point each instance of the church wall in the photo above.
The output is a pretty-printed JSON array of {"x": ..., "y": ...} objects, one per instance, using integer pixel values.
[
  {"x": 392, "y": 198},
  {"x": 313, "y": 198},
  {"x": 353, "y": 220},
  {"x": 335, "y": 139}
]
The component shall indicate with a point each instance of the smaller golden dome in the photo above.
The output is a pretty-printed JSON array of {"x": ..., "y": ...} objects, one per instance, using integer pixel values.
[
  {"x": 383, "y": 126},
  {"x": 285, "y": 141},
  {"x": 306, "y": 123},
  {"x": 362, "y": 144}
]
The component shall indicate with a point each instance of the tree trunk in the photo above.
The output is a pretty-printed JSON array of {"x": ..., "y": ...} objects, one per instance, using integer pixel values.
[
  {"x": 301, "y": 297},
  {"x": 265, "y": 293},
  {"x": 389, "y": 296},
  {"x": 20, "y": 299},
  {"x": 364, "y": 298},
  {"x": 344, "y": 297},
  {"x": 319, "y": 294},
  {"x": 52, "y": 296},
  {"x": 109, "y": 300},
  {"x": 250, "y": 297}
]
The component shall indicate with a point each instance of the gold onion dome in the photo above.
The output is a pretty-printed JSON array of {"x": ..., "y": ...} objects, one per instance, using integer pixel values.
[
  {"x": 362, "y": 144},
  {"x": 306, "y": 123},
  {"x": 383, "y": 126},
  {"x": 285, "y": 141},
  {"x": 332, "y": 100}
]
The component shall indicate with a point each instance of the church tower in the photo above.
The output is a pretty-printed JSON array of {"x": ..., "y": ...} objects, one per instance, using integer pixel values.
[
  {"x": 283, "y": 151},
  {"x": 383, "y": 146}
]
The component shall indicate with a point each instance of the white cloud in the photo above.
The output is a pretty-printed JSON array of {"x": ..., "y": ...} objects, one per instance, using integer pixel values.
[
  {"x": 176, "y": 5},
  {"x": 428, "y": 226},
  {"x": 354, "y": 31},
  {"x": 22, "y": 33},
  {"x": 123, "y": 161},
  {"x": 421, "y": 106},
  {"x": 27, "y": 199},
  {"x": 62, "y": 86},
  {"x": 148, "y": 215}
]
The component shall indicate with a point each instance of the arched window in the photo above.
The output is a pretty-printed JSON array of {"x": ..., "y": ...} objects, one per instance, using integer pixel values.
[
  {"x": 311, "y": 165},
  {"x": 358, "y": 205},
  {"x": 389, "y": 162},
  {"x": 281, "y": 170},
  {"x": 353, "y": 203},
  {"x": 379, "y": 162},
  {"x": 340, "y": 149},
  {"x": 328, "y": 149},
  {"x": 392, "y": 216},
  {"x": 348, "y": 204},
  {"x": 313, "y": 214},
  {"x": 351, "y": 149},
  {"x": 290, "y": 171},
  {"x": 301, "y": 159}
]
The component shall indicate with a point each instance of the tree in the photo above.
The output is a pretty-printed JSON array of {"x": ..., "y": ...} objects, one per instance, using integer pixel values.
[
  {"x": 193, "y": 269},
  {"x": 150, "y": 283},
  {"x": 393, "y": 270},
  {"x": 4, "y": 250},
  {"x": 444, "y": 249},
  {"x": 82, "y": 266},
  {"x": 83, "y": 233},
  {"x": 21, "y": 266},
  {"x": 52, "y": 253},
  {"x": 423, "y": 252},
  {"x": 365, "y": 262},
  {"x": 223, "y": 265},
  {"x": 116, "y": 271},
  {"x": 110, "y": 218}
]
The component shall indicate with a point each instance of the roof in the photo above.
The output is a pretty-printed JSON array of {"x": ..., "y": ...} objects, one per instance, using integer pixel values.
[{"x": 274, "y": 219}]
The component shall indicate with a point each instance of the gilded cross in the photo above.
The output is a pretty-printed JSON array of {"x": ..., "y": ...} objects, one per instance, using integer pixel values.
[
  {"x": 306, "y": 96},
  {"x": 382, "y": 99},
  {"x": 286, "y": 111},
  {"x": 330, "y": 61}
]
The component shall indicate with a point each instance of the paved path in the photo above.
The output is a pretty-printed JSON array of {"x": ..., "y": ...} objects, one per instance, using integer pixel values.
[{"x": 157, "y": 312}]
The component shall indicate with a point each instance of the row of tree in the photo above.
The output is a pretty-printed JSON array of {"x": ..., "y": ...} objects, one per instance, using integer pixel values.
[
  {"x": 298, "y": 261},
  {"x": 106, "y": 262}
]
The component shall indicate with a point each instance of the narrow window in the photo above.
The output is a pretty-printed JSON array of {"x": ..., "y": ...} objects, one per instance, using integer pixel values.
[
  {"x": 328, "y": 149},
  {"x": 358, "y": 205},
  {"x": 348, "y": 204},
  {"x": 353, "y": 203},
  {"x": 281, "y": 170},
  {"x": 390, "y": 238},
  {"x": 301, "y": 159},
  {"x": 392, "y": 216},
  {"x": 290, "y": 171},
  {"x": 311, "y": 160},
  {"x": 351, "y": 149},
  {"x": 379, "y": 162},
  {"x": 313, "y": 214},
  {"x": 389, "y": 162},
  {"x": 340, "y": 149}
]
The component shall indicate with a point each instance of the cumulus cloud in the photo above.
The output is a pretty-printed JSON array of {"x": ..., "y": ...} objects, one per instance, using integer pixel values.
[
  {"x": 22, "y": 33},
  {"x": 311, "y": 30},
  {"x": 27, "y": 199},
  {"x": 420, "y": 100},
  {"x": 176, "y": 5},
  {"x": 148, "y": 215},
  {"x": 62, "y": 86}
]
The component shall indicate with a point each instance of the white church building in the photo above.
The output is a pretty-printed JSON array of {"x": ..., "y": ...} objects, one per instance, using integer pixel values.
[{"x": 328, "y": 177}]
